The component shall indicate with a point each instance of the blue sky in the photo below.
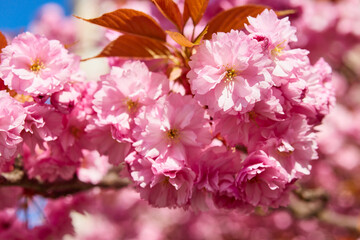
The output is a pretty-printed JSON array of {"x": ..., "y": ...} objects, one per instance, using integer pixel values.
[{"x": 16, "y": 14}]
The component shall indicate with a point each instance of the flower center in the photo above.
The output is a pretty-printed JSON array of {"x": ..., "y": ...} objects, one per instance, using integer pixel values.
[
  {"x": 230, "y": 75},
  {"x": 37, "y": 66},
  {"x": 285, "y": 150},
  {"x": 278, "y": 49},
  {"x": 241, "y": 148},
  {"x": 284, "y": 154},
  {"x": 76, "y": 132},
  {"x": 23, "y": 98},
  {"x": 173, "y": 133},
  {"x": 132, "y": 106},
  {"x": 252, "y": 115},
  {"x": 264, "y": 41}
]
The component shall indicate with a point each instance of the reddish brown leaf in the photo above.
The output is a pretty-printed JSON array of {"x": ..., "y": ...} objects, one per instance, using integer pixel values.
[
  {"x": 135, "y": 47},
  {"x": 171, "y": 11},
  {"x": 186, "y": 14},
  {"x": 131, "y": 22},
  {"x": 234, "y": 18},
  {"x": 3, "y": 42},
  {"x": 180, "y": 39},
  {"x": 196, "y": 9}
]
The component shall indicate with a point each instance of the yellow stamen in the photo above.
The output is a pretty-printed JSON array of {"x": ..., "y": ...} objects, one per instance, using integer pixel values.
[
  {"x": 132, "y": 106},
  {"x": 230, "y": 75},
  {"x": 278, "y": 49},
  {"x": 173, "y": 134},
  {"x": 76, "y": 132},
  {"x": 23, "y": 98},
  {"x": 241, "y": 148},
  {"x": 37, "y": 66},
  {"x": 285, "y": 154},
  {"x": 252, "y": 115}
]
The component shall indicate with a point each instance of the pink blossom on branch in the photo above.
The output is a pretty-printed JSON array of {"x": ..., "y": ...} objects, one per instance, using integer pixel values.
[
  {"x": 175, "y": 126},
  {"x": 273, "y": 33},
  {"x": 166, "y": 183},
  {"x": 239, "y": 139},
  {"x": 34, "y": 65},
  {"x": 292, "y": 143},
  {"x": 12, "y": 119},
  {"x": 230, "y": 73},
  {"x": 49, "y": 163},
  {"x": 124, "y": 90},
  {"x": 93, "y": 167},
  {"x": 262, "y": 181}
]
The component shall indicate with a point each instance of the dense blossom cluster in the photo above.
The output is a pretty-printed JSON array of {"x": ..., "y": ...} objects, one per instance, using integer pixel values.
[
  {"x": 12, "y": 120},
  {"x": 238, "y": 136},
  {"x": 236, "y": 130},
  {"x": 241, "y": 141},
  {"x": 40, "y": 70}
]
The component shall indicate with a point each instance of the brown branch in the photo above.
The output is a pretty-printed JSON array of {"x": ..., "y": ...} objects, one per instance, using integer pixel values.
[
  {"x": 340, "y": 220},
  {"x": 313, "y": 203},
  {"x": 60, "y": 188}
]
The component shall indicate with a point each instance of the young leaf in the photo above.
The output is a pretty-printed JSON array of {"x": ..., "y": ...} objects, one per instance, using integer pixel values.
[
  {"x": 180, "y": 39},
  {"x": 196, "y": 9},
  {"x": 135, "y": 47},
  {"x": 201, "y": 36},
  {"x": 234, "y": 18},
  {"x": 131, "y": 22},
  {"x": 3, "y": 42},
  {"x": 285, "y": 12},
  {"x": 171, "y": 11}
]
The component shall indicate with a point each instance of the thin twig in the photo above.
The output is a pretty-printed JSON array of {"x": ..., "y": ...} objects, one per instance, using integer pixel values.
[
  {"x": 313, "y": 203},
  {"x": 62, "y": 188}
]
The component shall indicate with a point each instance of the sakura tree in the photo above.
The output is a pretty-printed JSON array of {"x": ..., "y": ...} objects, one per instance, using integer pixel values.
[{"x": 209, "y": 108}]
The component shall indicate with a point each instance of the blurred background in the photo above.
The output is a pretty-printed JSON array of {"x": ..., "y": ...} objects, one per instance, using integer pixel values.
[{"x": 17, "y": 14}]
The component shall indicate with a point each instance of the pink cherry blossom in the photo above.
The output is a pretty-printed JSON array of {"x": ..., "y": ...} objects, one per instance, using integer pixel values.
[
  {"x": 163, "y": 184},
  {"x": 229, "y": 73},
  {"x": 262, "y": 181},
  {"x": 216, "y": 168},
  {"x": 175, "y": 126},
  {"x": 83, "y": 103},
  {"x": 42, "y": 123},
  {"x": 50, "y": 163},
  {"x": 320, "y": 95},
  {"x": 274, "y": 34},
  {"x": 34, "y": 65},
  {"x": 130, "y": 87},
  {"x": 292, "y": 143},
  {"x": 12, "y": 118},
  {"x": 65, "y": 100},
  {"x": 100, "y": 138},
  {"x": 93, "y": 167}
]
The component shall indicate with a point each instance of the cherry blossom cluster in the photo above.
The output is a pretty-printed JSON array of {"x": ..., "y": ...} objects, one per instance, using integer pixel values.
[
  {"x": 241, "y": 139},
  {"x": 45, "y": 127},
  {"x": 259, "y": 99},
  {"x": 317, "y": 21}
]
